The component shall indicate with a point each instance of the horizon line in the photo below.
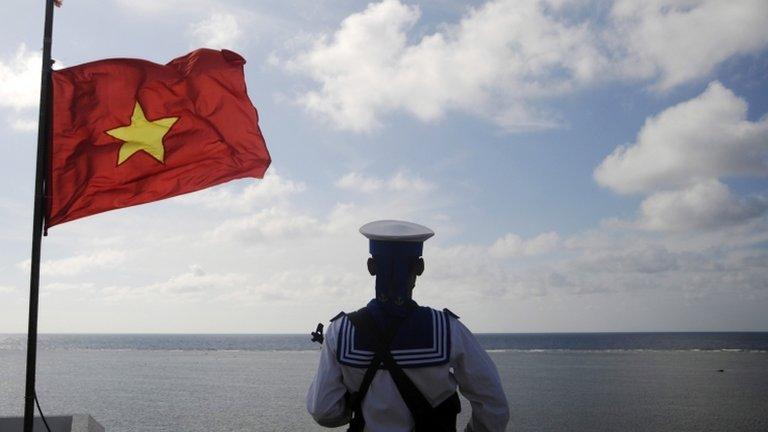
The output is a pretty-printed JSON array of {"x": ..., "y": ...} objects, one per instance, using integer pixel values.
[{"x": 307, "y": 333}]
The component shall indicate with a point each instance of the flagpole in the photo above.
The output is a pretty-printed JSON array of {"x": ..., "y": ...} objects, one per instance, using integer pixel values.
[{"x": 43, "y": 137}]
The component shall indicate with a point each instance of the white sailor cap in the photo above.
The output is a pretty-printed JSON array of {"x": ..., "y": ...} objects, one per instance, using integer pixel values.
[
  {"x": 395, "y": 230},
  {"x": 393, "y": 237}
]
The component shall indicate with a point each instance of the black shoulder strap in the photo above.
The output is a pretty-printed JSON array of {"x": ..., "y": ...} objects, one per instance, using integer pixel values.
[
  {"x": 356, "y": 398},
  {"x": 417, "y": 404}
]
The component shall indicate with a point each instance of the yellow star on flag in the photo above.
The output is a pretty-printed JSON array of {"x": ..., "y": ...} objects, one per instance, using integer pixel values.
[{"x": 142, "y": 134}]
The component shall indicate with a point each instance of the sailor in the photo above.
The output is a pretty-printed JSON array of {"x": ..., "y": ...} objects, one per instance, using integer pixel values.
[{"x": 394, "y": 365}]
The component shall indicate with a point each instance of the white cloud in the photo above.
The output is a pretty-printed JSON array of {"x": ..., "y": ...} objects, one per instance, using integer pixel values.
[
  {"x": 301, "y": 284},
  {"x": 154, "y": 6},
  {"x": 219, "y": 30},
  {"x": 23, "y": 124},
  {"x": 404, "y": 182},
  {"x": 20, "y": 79},
  {"x": 617, "y": 263},
  {"x": 67, "y": 286},
  {"x": 268, "y": 224},
  {"x": 197, "y": 280},
  {"x": 706, "y": 137},
  {"x": 4, "y": 289},
  {"x": 498, "y": 55},
  {"x": 257, "y": 193},
  {"x": 629, "y": 259},
  {"x": 79, "y": 263},
  {"x": 512, "y": 245},
  {"x": 348, "y": 217},
  {"x": 504, "y": 59},
  {"x": 679, "y": 157},
  {"x": 678, "y": 41},
  {"x": 520, "y": 118},
  {"x": 368, "y": 184},
  {"x": 706, "y": 205},
  {"x": 194, "y": 285},
  {"x": 359, "y": 182},
  {"x": 299, "y": 257},
  {"x": 241, "y": 289},
  {"x": 494, "y": 272},
  {"x": 669, "y": 264}
]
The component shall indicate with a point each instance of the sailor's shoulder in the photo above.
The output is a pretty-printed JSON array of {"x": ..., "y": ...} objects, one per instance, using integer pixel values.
[
  {"x": 444, "y": 311},
  {"x": 339, "y": 315},
  {"x": 450, "y": 313}
]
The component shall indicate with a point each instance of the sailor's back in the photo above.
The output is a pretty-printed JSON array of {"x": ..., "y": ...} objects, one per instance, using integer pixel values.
[
  {"x": 467, "y": 366},
  {"x": 396, "y": 366}
]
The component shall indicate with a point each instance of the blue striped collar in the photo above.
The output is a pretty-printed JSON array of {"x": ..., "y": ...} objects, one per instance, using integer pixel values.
[{"x": 422, "y": 340}]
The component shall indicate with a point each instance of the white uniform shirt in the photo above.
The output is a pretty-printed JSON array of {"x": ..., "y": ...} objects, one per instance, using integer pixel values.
[{"x": 469, "y": 367}]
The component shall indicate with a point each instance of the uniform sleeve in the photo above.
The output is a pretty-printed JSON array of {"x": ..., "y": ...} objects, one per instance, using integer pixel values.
[
  {"x": 325, "y": 398},
  {"x": 478, "y": 381}
]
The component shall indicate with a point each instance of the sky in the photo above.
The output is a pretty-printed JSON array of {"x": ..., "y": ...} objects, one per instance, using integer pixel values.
[{"x": 586, "y": 166}]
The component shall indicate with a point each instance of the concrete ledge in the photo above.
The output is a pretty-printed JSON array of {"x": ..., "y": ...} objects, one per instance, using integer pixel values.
[{"x": 71, "y": 423}]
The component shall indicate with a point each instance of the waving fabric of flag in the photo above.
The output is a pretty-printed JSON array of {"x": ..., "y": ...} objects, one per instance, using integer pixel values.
[{"x": 129, "y": 132}]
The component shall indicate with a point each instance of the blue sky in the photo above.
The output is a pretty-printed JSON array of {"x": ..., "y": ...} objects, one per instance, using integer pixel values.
[{"x": 588, "y": 166}]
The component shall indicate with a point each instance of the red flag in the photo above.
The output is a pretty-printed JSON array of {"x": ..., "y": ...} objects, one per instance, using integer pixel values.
[{"x": 129, "y": 132}]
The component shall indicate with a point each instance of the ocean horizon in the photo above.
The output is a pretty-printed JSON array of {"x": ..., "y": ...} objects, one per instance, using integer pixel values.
[
  {"x": 646, "y": 381},
  {"x": 756, "y": 341}
]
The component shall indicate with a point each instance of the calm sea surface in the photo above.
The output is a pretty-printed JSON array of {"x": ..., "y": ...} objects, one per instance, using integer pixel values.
[{"x": 554, "y": 382}]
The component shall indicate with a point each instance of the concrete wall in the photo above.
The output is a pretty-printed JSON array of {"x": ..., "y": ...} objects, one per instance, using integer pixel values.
[{"x": 73, "y": 423}]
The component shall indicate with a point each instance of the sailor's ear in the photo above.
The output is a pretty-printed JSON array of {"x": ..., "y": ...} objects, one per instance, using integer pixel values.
[
  {"x": 372, "y": 266},
  {"x": 419, "y": 267}
]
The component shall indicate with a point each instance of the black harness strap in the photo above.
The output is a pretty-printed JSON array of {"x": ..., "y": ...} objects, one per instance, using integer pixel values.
[
  {"x": 426, "y": 418},
  {"x": 356, "y": 399},
  {"x": 413, "y": 398}
]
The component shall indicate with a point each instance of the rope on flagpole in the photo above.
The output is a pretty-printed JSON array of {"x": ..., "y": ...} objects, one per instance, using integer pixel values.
[{"x": 40, "y": 410}]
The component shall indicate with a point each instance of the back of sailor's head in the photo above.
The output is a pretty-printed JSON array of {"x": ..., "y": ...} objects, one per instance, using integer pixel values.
[{"x": 396, "y": 248}]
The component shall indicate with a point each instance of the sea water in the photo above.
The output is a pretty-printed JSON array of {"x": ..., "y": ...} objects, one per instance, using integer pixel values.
[{"x": 554, "y": 382}]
